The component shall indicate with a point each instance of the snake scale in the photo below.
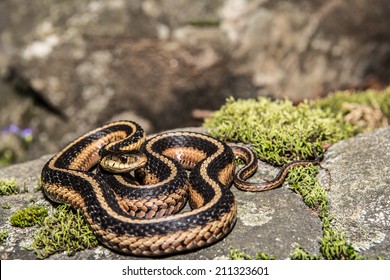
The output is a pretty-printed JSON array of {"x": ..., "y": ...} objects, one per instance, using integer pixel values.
[{"x": 131, "y": 189}]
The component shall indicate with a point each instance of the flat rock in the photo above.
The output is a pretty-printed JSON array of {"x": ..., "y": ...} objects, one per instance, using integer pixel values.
[{"x": 359, "y": 198}]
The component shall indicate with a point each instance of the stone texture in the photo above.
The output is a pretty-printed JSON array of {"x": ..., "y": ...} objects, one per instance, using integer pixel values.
[
  {"x": 359, "y": 198},
  {"x": 309, "y": 44}
]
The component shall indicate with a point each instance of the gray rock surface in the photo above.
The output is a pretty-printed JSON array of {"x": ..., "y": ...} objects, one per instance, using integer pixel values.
[
  {"x": 270, "y": 221},
  {"x": 359, "y": 198}
]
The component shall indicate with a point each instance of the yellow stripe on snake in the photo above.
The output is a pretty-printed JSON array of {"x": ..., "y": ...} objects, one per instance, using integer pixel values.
[{"x": 132, "y": 199}]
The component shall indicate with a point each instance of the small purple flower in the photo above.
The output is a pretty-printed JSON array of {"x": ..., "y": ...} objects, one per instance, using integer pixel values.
[
  {"x": 25, "y": 133},
  {"x": 12, "y": 128}
]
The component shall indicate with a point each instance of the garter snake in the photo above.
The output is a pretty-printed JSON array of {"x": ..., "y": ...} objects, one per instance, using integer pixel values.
[{"x": 137, "y": 212}]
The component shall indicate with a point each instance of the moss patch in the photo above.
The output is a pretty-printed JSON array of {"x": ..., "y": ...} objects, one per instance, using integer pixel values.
[
  {"x": 6, "y": 206},
  {"x": 301, "y": 254},
  {"x": 278, "y": 130},
  {"x": 3, "y": 236},
  {"x": 303, "y": 180},
  {"x": 66, "y": 230},
  {"x": 334, "y": 244},
  {"x": 367, "y": 110},
  {"x": 8, "y": 187},
  {"x": 235, "y": 254},
  {"x": 29, "y": 216}
]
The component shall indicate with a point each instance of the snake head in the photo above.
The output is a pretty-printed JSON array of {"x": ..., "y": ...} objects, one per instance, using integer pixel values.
[{"x": 123, "y": 162}]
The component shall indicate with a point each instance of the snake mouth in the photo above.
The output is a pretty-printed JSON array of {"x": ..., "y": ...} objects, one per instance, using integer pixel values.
[{"x": 123, "y": 162}]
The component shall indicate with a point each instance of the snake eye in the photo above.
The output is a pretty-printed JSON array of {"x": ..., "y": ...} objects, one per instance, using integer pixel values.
[{"x": 123, "y": 159}]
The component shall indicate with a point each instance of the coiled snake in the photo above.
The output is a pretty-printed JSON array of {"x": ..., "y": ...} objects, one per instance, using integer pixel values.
[{"x": 142, "y": 218}]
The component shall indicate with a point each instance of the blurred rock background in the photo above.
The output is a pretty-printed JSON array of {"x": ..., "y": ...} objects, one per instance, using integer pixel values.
[{"x": 69, "y": 66}]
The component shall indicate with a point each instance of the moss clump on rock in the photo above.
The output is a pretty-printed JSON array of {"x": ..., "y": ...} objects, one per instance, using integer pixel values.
[
  {"x": 236, "y": 254},
  {"x": 29, "y": 216},
  {"x": 303, "y": 180},
  {"x": 367, "y": 110},
  {"x": 301, "y": 254},
  {"x": 8, "y": 187},
  {"x": 3, "y": 236},
  {"x": 65, "y": 230},
  {"x": 278, "y": 130},
  {"x": 334, "y": 244}
]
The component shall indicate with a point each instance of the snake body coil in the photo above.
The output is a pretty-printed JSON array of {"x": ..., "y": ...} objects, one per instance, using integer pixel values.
[{"x": 136, "y": 219}]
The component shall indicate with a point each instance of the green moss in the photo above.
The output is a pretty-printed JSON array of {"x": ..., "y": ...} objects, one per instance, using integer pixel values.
[
  {"x": 278, "y": 130},
  {"x": 334, "y": 245},
  {"x": 303, "y": 180},
  {"x": 301, "y": 254},
  {"x": 29, "y": 216},
  {"x": 263, "y": 256},
  {"x": 66, "y": 230},
  {"x": 367, "y": 110},
  {"x": 8, "y": 187},
  {"x": 236, "y": 254},
  {"x": 3, "y": 236}
]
